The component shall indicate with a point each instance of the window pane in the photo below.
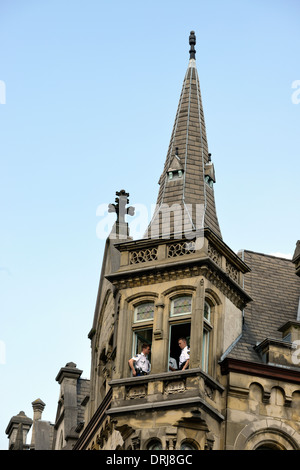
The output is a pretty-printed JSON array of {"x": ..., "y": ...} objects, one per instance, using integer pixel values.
[
  {"x": 205, "y": 349},
  {"x": 207, "y": 311},
  {"x": 144, "y": 311},
  {"x": 141, "y": 337},
  {"x": 181, "y": 305}
]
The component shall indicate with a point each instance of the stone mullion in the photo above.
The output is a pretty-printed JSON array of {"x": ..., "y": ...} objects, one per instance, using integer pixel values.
[
  {"x": 197, "y": 326},
  {"x": 123, "y": 342},
  {"x": 158, "y": 355}
]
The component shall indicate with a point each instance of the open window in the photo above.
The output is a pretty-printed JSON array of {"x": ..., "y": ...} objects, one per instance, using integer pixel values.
[
  {"x": 141, "y": 337},
  {"x": 178, "y": 330},
  {"x": 180, "y": 326}
]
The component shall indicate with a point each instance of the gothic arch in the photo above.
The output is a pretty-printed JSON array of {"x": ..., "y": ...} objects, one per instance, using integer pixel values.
[
  {"x": 212, "y": 296},
  {"x": 178, "y": 289},
  {"x": 267, "y": 432},
  {"x": 277, "y": 396},
  {"x": 191, "y": 443},
  {"x": 256, "y": 392},
  {"x": 140, "y": 295}
]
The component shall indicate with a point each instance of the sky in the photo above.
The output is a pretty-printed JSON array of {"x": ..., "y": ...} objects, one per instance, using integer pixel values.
[{"x": 88, "y": 96}]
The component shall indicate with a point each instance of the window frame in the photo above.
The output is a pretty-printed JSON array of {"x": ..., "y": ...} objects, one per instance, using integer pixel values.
[
  {"x": 171, "y": 309},
  {"x": 136, "y": 305},
  {"x": 179, "y": 318},
  {"x": 207, "y": 332}
]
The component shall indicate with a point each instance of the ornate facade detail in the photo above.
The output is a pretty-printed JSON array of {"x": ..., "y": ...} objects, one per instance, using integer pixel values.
[
  {"x": 208, "y": 391},
  {"x": 237, "y": 298},
  {"x": 175, "y": 387},
  {"x": 137, "y": 391},
  {"x": 142, "y": 256},
  {"x": 180, "y": 249},
  {"x": 214, "y": 255},
  {"x": 232, "y": 271}
]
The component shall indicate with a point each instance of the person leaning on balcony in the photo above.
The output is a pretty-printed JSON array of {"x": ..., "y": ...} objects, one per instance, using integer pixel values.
[
  {"x": 140, "y": 364},
  {"x": 184, "y": 358}
]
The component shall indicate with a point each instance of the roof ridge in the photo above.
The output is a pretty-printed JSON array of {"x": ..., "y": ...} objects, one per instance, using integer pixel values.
[{"x": 265, "y": 254}]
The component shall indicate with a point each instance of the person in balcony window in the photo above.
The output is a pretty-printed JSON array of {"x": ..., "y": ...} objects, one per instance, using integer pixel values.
[
  {"x": 184, "y": 358},
  {"x": 139, "y": 364}
]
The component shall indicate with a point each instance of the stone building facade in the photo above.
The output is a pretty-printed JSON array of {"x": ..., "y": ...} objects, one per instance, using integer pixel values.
[{"x": 239, "y": 312}]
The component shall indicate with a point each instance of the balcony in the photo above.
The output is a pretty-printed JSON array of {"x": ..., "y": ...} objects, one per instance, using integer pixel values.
[{"x": 189, "y": 388}]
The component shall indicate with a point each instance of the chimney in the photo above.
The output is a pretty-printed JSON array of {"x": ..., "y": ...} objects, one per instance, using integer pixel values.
[{"x": 17, "y": 431}]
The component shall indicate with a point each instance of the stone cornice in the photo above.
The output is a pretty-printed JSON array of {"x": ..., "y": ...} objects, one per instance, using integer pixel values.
[
  {"x": 207, "y": 233},
  {"x": 181, "y": 269},
  {"x": 192, "y": 401},
  {"x": 286, "y": 374}
]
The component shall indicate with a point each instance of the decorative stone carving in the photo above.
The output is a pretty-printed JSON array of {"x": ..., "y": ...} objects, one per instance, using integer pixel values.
[
  {"x": 142, "y": 256},
  {"x": 237, "y": 298},
  {"x": 232, "y": 271},
  {"x": 214, "y": 255},
  {"x": 137, "y": 391},
  {"x": 181, "y": 248},
  {"x": 177, "y": 386}
]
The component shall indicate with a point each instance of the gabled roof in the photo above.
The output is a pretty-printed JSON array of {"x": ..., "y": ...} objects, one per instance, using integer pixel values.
[
  {"x": 188, "y": 152},
  {"x": 274, "y": 289}
]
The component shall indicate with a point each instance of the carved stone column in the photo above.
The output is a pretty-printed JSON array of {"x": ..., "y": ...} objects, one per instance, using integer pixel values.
[
  {"x": 158, "y": 361},
  {"x": 123, "y": 352}
]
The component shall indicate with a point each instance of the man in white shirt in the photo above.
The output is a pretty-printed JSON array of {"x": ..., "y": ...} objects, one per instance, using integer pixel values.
[
  {"x": 140, "y": 364},
  {"x": 184, "y": 358}
]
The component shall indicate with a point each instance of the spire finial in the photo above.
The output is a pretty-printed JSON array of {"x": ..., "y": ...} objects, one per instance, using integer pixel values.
[{"x": 192, "y": 41}]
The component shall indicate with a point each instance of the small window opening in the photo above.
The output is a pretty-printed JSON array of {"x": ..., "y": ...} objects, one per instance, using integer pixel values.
[
  {"x": 144, "y": 312},
  {"x": 181, "y": 305},
  {"x": 141, "y": 337}
]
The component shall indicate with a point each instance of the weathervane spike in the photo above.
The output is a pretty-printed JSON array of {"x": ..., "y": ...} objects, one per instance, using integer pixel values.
[{"x": 192, "y": 42}]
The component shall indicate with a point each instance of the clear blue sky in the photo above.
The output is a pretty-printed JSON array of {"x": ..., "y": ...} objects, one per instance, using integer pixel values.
[{"x": 91, "y": 92}]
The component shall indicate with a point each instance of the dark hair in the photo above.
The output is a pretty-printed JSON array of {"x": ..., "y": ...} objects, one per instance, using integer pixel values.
[
  {"x": 183, "y": 338},
  {"x": 145, "y": 345}
]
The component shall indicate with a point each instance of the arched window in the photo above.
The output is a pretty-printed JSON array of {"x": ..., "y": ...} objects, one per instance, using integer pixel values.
[
  {"x": 142, "y": 327},
  {"x": 180, "y": 326},
  {"x": 144, "y": 311},
  {"x": 188, "y": 445},
  {"x": 269, "y": 446},
  {"x": 181, "y": 305},
  {"x": 154, "y": 444}
]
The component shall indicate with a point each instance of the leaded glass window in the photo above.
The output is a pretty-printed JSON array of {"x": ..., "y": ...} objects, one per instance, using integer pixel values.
[
  {"x": 181, "y": 305},
  {"x": 144, "y": 312}
]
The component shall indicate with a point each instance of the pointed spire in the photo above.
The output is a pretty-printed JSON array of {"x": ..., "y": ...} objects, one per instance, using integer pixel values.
[{"x": 188, "y": 176}]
